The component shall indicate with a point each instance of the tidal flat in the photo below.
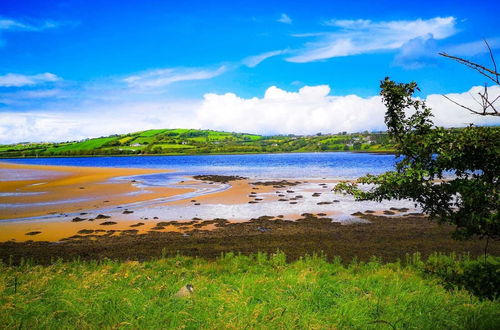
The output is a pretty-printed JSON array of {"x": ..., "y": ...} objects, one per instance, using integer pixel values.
[{"x": 138, "y": 213}]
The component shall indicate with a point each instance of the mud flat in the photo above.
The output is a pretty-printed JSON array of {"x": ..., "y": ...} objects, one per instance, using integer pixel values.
[{"x": 389, "y": 238}]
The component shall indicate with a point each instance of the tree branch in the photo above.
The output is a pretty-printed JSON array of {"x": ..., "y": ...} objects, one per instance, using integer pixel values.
[
  {"x": 492, "y": 59},
  {"x": 481, "y": 69},
  {"x": 487, "y": 106}
]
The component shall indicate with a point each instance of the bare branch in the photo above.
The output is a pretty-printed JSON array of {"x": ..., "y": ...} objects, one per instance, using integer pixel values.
[
  {"x": 487, "y": 107},
  {"x": 481, "y": 69},
  {"x": 492, "y": 58},
  {"x": 490, "y": 105},
  {"x": 475, "y": 100},
  {"x": 482, "y": 113},
  {"x": 498, "y": 97}
]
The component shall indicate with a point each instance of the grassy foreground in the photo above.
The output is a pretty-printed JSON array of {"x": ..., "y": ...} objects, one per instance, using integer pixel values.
[{"x": 236, "y": 292}]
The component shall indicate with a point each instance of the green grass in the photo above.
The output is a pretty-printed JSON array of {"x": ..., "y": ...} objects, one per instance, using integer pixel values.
[
  {"x": 143, "y": 140},
  {"x": 174, "y": 146},
  {"x": 235, "y": 292},
  {"x": 152, "y": 132},
  {"x": 84, "y": 145},
  {"x": 125, "y": 139}
]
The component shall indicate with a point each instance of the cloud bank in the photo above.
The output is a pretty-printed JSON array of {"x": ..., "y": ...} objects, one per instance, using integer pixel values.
[{"x": 308, "y": 111}]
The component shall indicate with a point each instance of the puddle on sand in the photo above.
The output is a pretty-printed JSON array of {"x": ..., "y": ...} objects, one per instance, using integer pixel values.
[
  {"x": 21, "y": 194},
  {"x": 9, "y": 174}
]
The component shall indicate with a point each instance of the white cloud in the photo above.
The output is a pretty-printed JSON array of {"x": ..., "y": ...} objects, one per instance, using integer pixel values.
[
  {"x": 8, "y": 24},
  {"x": 253, "y": 61},
  {"x": 420, "y": 52},
  {"x": 284, "y": 18},
  {"x": 26, "y": 97},
  {"x": 310, "y": 110},
  {"x": 163, "y": 77},
  {"x": 450, "y": 115},
  {"x": 28, "y": 127},
  {"x": 353, "y": 37},
  {"x": 20, "y": 80},
  {"x": 472, "y": 48},
  {"x": 11, "y": 24},
  {"x": 68, "y": 125}
]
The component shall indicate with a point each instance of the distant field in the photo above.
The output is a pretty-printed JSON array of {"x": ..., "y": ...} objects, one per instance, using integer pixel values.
[{"x": 191, "y": 141}]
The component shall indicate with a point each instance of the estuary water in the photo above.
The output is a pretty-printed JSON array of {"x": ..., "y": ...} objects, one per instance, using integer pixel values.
[{"x": 333, "y": 165}]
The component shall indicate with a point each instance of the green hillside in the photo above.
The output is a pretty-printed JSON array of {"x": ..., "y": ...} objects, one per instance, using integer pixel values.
[{"x": 190, "y": 141}]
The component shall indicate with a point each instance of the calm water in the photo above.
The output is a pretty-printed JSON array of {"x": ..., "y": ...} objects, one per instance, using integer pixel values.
[{"x": 342, "y": 165}]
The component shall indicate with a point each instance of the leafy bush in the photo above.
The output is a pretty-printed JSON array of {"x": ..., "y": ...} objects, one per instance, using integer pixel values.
[{"x": 481, "y": 276}]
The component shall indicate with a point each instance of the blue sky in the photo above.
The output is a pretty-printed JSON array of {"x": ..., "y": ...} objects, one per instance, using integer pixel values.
[{"x": 134, "y": 65}]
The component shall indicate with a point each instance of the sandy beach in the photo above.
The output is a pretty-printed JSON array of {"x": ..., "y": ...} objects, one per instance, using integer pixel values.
[
  {"x": 59, "y": 202},
  {"x": 63, "y": 190}
]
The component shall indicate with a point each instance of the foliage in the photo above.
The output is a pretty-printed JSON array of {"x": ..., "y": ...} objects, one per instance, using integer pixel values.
[
  {"x": 258, "y": 291},
  {"x": 451, "y": 173},
  {"x": 481, "y": 277}
]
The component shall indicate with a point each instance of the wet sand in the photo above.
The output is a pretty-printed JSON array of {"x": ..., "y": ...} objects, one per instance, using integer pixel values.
[
  {"x": 97, "y": 205},
  {"x": 66, "y": 201},
  {"x": 64, "y": 190},
  {"x": 71, "y": 189}
]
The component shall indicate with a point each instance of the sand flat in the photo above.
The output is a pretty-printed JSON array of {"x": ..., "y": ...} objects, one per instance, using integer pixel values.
[
  {"x": 82, "y": 191},
  {"x": 66, "y": 201},
  {"x": 71, "y": 189}
]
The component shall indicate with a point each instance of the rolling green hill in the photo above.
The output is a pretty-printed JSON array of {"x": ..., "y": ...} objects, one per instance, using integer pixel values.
[{"x": 190, "y": 141}]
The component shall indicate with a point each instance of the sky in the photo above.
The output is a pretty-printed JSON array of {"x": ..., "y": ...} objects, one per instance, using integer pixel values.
[{"x": 74, "y": 69}]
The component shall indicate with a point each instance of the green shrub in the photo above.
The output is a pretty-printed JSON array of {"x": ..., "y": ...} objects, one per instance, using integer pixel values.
[{"x": 481, "y": 276}]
